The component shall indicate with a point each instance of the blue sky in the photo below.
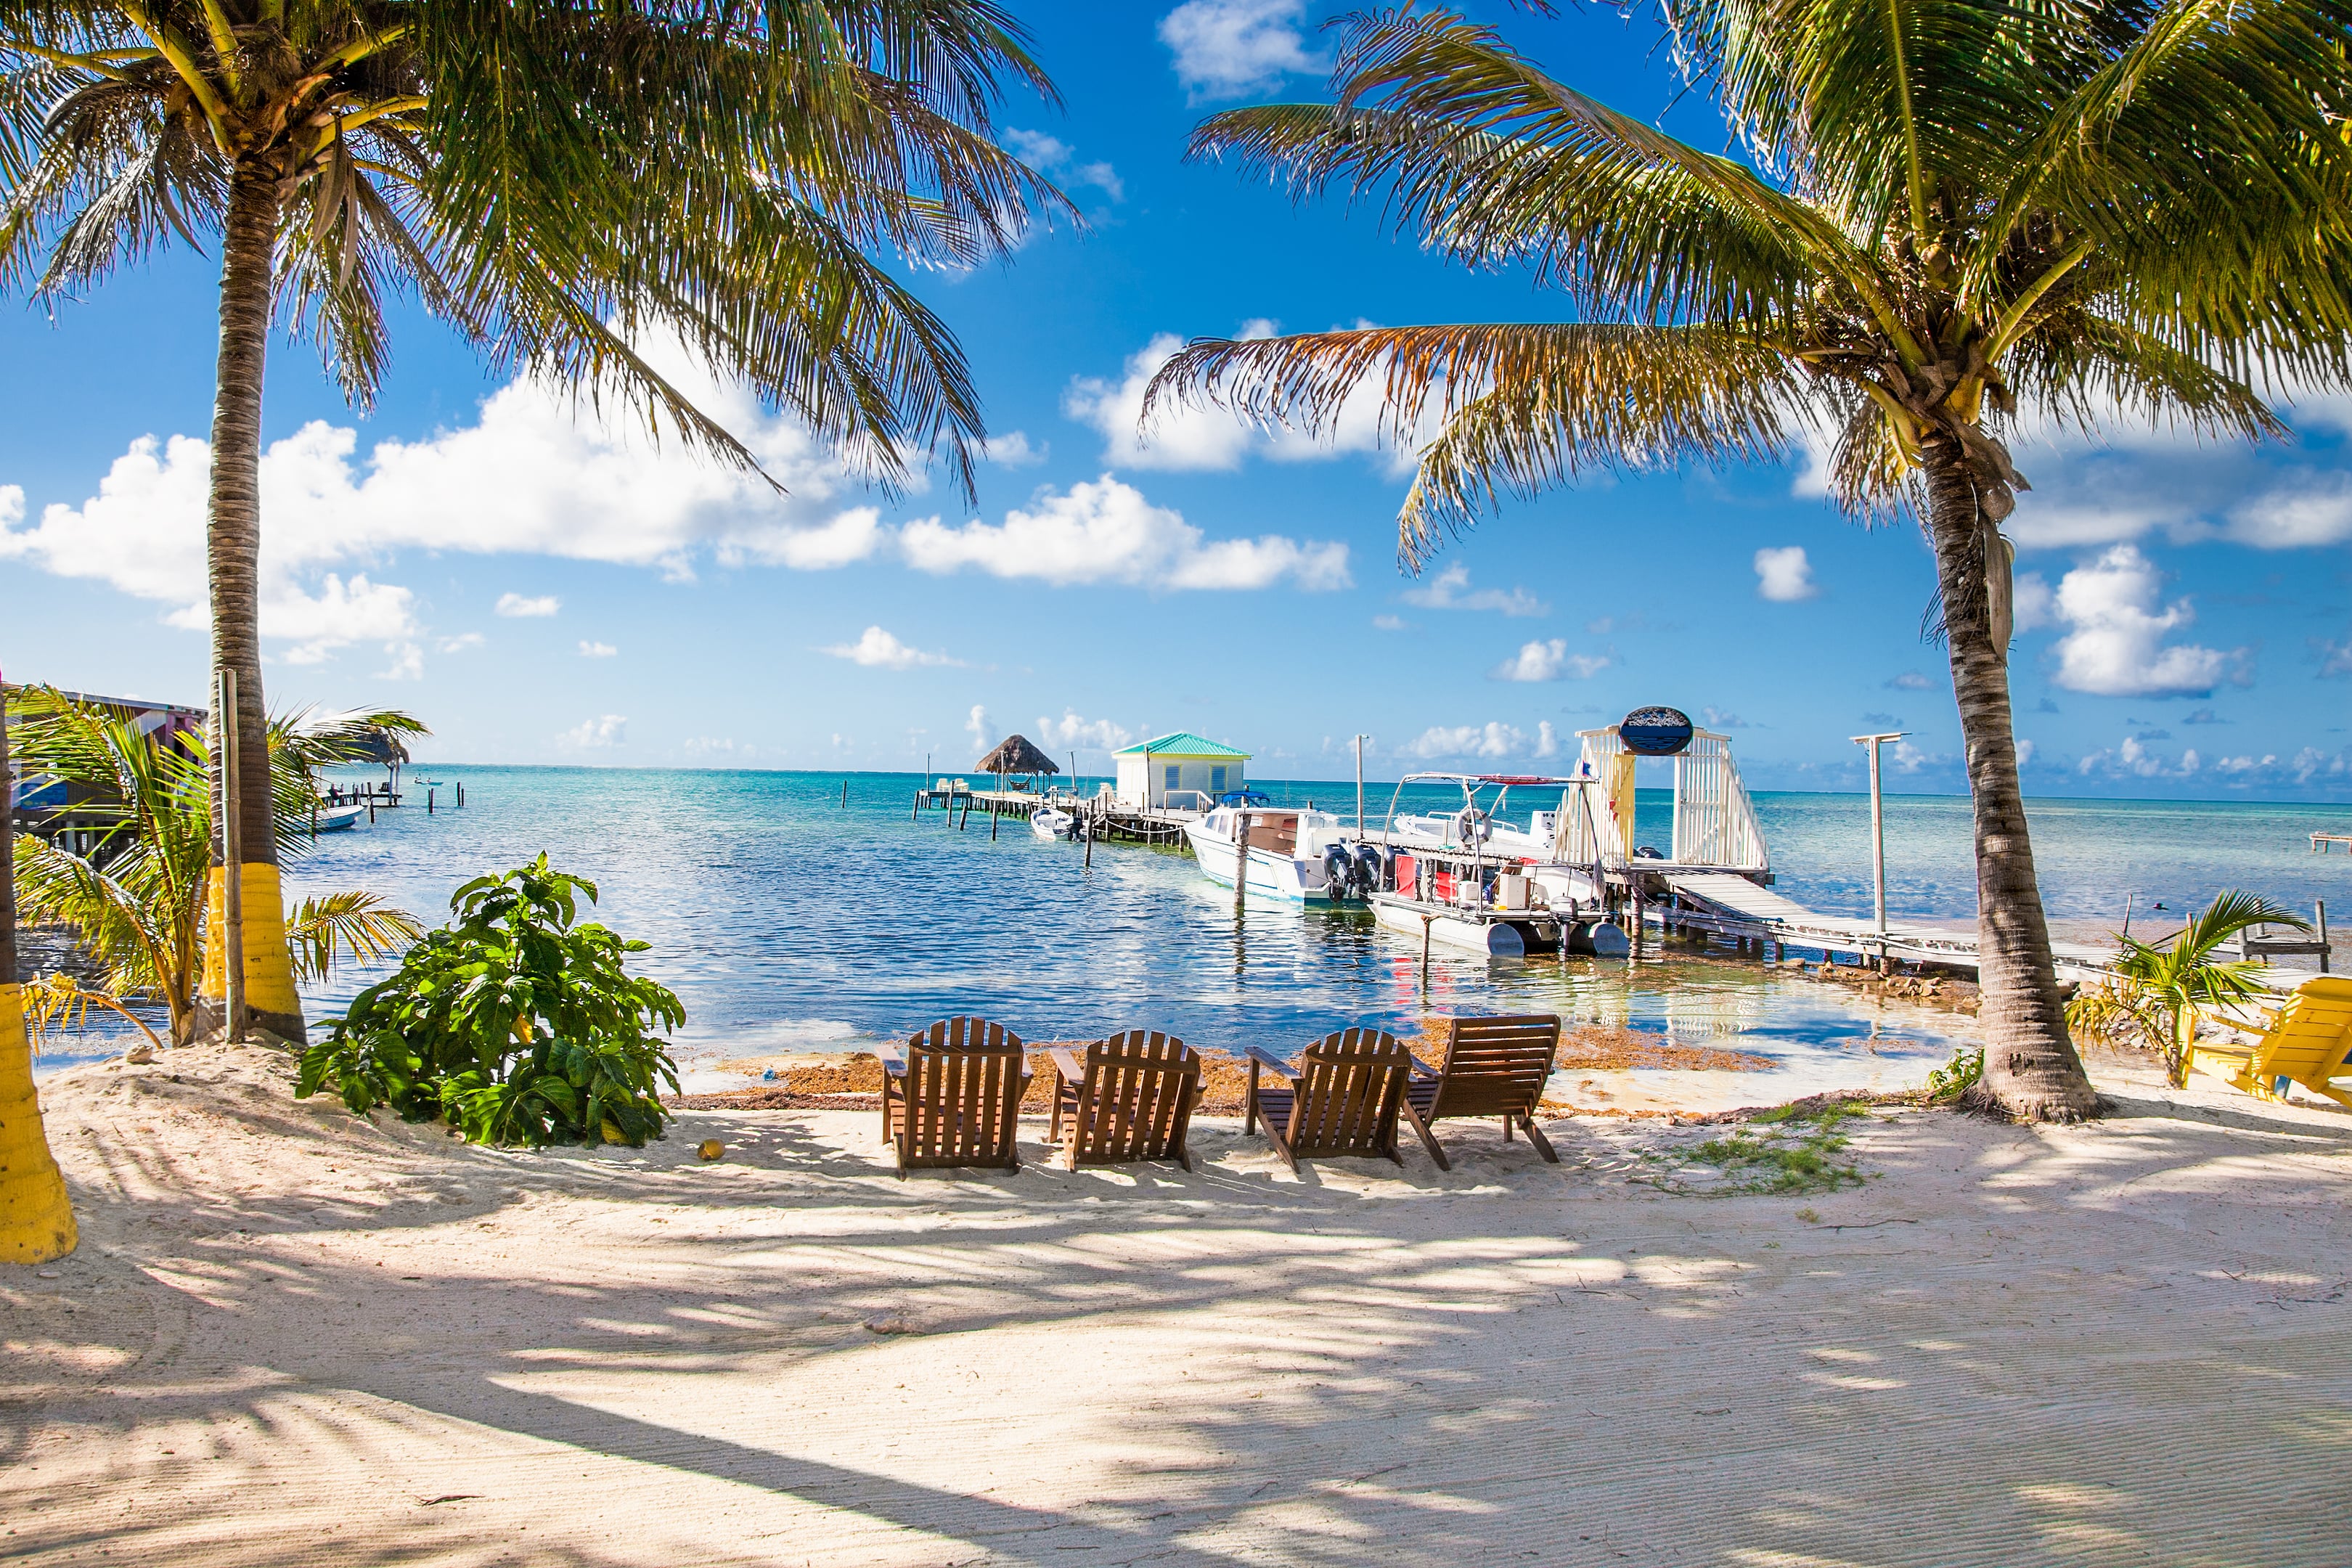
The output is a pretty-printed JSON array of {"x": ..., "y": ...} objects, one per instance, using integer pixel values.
[{"x": 541, "y": 590}]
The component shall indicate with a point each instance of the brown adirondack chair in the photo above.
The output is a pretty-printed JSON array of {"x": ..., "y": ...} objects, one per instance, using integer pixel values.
[
  {"x": 1493, "y": 1067},
  {"x": 954, "y": 1099},
  {"x": 1128, "y": 1098},
  {"x": 1342, "y": 1097}
]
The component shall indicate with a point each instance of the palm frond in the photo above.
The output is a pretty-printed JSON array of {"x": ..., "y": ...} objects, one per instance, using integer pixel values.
[
  {"x": 350, "y": 927},
  {"x": 1520, "y": 408}
]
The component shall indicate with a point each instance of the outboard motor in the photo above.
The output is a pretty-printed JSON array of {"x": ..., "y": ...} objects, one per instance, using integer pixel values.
[
  {"x": 1336, "y": 867},
  {"x": 1371, "y": 871}
]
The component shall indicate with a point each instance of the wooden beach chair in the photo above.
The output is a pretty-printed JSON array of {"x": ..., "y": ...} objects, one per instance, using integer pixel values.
[
  {"x": 1493, "y": 1067},
  {"x": 1342, "y": 1098},
  {"x": 1128, "y": 1098},
  {"x": 954, "y": 1099},
  {"x": 2306, "y": 1045}
]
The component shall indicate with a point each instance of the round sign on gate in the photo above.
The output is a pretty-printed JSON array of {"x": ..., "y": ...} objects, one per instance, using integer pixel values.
[{"x": 1656, "y": 732}]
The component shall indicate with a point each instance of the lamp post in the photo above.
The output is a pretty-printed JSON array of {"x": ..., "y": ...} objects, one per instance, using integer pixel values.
[
  {"x": 1878, "y": 836},
  {"x": 1360, "y": 786}
]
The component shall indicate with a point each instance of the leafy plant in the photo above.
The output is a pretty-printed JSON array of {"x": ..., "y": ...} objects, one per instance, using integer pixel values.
[
  {"x": 512, "y": 1024},
  {"x": 1948, "y": 1083},
  {"x": 137, "y": 894},
  {"x": 2160, "y": 992}
]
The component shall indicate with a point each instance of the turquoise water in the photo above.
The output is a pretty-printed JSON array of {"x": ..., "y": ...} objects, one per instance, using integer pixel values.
[{"x": 787, "y": 922}]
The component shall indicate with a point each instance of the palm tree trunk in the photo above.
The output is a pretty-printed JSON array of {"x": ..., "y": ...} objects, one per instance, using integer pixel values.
[
  {"x": 36, "y": 1223},
  {"x": 2031, "y": 1071},
  {"x": 232, "y": 556}
]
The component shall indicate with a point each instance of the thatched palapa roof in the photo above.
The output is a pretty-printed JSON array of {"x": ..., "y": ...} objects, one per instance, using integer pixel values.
[{"x": 1016, "y": 755}]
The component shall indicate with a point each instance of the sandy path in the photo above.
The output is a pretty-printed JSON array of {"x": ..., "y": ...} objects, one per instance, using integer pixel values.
[{"x": 291, "y": 1339}]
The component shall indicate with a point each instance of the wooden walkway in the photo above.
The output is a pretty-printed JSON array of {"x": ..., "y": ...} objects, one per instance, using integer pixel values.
[
  {"x": 1099, "y": 817},
  {"x": 1735, "y": 907}
]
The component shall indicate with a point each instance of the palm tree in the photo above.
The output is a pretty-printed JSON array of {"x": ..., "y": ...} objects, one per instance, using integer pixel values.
[
  {"x": 137, "y": 896},
  {"x": 1954, "y": 214},
  {"x": 36, "y": 1222},
  {"x": 2160, "y": 992},
  {"x": 556, "y": 182}
]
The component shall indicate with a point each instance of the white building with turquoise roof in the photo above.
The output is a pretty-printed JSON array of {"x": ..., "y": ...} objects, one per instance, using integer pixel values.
[{"x": 1181, "y": 769}]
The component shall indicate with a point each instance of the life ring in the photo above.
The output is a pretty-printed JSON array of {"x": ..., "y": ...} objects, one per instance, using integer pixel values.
[{"x": 1473, "y": 825}]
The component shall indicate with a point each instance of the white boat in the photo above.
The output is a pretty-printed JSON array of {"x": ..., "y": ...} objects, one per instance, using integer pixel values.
[
  {"x": 338, "y": 818},
  {"x": 1300, "y": 855},
  {"x": 1051, "y": 822},
  {"x": 1466, "y": 878}
]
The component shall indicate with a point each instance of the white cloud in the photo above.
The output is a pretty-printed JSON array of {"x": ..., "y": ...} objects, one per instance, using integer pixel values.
[
  {"x": 983, "y": 733},
  {"x": 536, "y": 473},
  {"x": 1909, "y": 680},
  {"x": 1391, "y": 622},
  {"x": 1491, "y": 740},
  {"x": 1226, "y": 48},
  {"x": 461, "y": 642},
  {"x": 1783, "y": 575},
  {"x": 1093, "y": 734},
  {"x": 2134, "y": 760},
  {"x": 598, "y": 735},
  {"x": 1451, "y": 590},
  {"x": 2304, "y": 510},
  {"x": 1550, "y": 660},
  {"x": 407, "y": 662},
  {"x": 1052, "y": 156},
  {"x": 1722, "y": 719},
  {"x": 1197, "y": 435},
  {"x": 1547, "y": 740},
  {"x": 517, "y": 606},
  {"x": 1105, "y": 532},
  {"x": 878, "y": 650},
  {"x": 2025, "y": 749},
  {"x": 597, "y": 650},
  {"x": 1014, "y": 450},
  {"x": 2334, "y": 658},
  {"x": 720, "y": 746},
  {"x": 2117, "y": 647}
]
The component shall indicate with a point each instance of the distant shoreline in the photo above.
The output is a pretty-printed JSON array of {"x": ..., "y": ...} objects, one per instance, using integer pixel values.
[{"x": 2342, "y": 806}]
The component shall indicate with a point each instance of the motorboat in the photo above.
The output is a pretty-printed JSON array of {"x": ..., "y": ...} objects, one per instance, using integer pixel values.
[
  {"x": 1302, "y": 855},
  {"x": 1467, "y": 879},
  {"x": 1052, "y": 822},
  {"x": 337, "y": 818}
]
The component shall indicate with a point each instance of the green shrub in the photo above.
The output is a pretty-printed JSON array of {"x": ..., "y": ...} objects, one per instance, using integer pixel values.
[
  {"x": 512, "y": 1024},
  {"x": 1948, "y": 1083}
]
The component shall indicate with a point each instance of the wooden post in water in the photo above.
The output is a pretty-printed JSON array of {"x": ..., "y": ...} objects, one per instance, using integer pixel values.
[
  {"x": 1424, "y": 955},
  {"x": 461, "y": 794},
  {"x": 845, "y": 795},
  {"x": 429, "y": 793},
  {"x": 1086, "y": 826},
  {"x": 2322, "y": 933}
]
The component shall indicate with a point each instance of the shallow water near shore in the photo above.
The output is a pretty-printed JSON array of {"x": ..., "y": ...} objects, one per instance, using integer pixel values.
[{"x": 789, "y": 923}]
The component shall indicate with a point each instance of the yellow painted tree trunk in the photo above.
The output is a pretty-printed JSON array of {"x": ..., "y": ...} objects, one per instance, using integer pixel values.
[
  {"x": 36, "y": 1222},
  {"x": 232, "y": 559}
]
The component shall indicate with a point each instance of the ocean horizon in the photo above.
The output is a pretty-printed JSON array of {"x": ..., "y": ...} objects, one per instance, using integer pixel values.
[{"x": 787, "y": 922}]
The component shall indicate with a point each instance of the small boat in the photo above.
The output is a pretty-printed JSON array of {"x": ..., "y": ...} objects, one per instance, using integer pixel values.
[
  {"x": 1467, "y": 879},
  {"x": 1302, "y": 855},
  {"x": 1052, "y": 822},
  {"x": 338, "y": 818}
]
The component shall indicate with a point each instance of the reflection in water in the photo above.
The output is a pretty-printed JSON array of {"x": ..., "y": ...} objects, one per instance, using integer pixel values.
[{"x": 787, "y": 923}]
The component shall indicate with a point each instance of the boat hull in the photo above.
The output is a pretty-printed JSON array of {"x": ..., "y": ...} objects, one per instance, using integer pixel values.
[
  {"x": 1499, "y": 933},
  {"x": 1275, "y": 876}
]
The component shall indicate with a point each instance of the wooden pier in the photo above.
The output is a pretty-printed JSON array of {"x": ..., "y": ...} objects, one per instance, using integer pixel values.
[
  {"x": 1099, "y": 817},
  {"x": 2320, "y": 841}
]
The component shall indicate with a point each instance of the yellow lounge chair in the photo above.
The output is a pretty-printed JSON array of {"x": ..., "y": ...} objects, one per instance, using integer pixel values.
[{"x": 2306, "y": 1045}]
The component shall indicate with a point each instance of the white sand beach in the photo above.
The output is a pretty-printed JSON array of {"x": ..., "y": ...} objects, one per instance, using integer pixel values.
[{"x": 290, "y": 1337}]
